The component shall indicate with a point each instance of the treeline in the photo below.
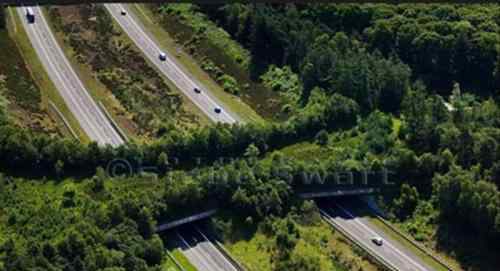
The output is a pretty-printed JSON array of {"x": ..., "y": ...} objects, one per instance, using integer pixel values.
[
  {"x": 105, "y": 223},
  {"x": 450, "y": 159},
  {"x": 77, "y": 227},
  {"x": 116, "y": 217},
  {"x": 322, "y": 57},
  {"x": 441, "y": 43},
  {"x": 22, "y": 152}
]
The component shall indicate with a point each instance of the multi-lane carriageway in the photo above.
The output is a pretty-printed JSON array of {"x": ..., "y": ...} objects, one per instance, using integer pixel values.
[
  {"x": 197, "y": 247},
  {"x": 90, "y": 117},
  {"x": 92, "y": 120}
]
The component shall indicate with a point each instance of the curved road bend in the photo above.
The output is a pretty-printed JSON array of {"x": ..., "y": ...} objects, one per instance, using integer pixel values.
[
  {"x": 200, "y": 251},
  {"x": 84, "y": 108},
  {"x": 170, "y": 67},
  {"x": 361, "y": 230}
]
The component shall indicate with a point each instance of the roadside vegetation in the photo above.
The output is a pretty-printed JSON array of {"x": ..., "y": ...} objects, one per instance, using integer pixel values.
[
  {"x": 299, "y": 241},
  {"x": 27, "y": 87},
  {"x": 140, "y": 98},
  {"x": 25, "y": 98},
  {"x": 226, "y": 61},
  {"x": 152, "y": 22},
  {"x": 355, "y": 101}
]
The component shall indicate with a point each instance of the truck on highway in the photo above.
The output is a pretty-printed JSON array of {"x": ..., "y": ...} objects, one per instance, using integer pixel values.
[{"x": 30, "y": 15}]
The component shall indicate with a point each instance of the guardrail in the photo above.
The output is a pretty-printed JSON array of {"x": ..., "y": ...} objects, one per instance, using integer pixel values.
[
  {"x": 175, "y": 261},
  {"x": 65, "y": 121},
  {"x": 419, "y": 246},
  {"x": 368, "y": 250},
  {"x": 113, "y": 122},
  {"x": 228, "y": 255},
  {"x": 222, "y": 250}
]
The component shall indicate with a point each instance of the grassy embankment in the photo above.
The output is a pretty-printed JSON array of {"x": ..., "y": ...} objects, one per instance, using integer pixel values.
[
  {"x": 337, "y": 146},
  {"x": 174, "y": 36},
  {"x": 188, "y": 105},
  {"x": 38, "y": 74},
  {"x": 140, "y": 97},
  {"x": 255, "y": 249},
  {"x": 96, "y": 89},
  {"x": 365, "y": 212}
]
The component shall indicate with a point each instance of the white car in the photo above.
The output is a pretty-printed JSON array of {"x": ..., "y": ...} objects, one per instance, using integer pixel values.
[
  {"x": 123, "y": 12},
  {"x": 377, "y": 240},
  {"x": 163, "y": 56}
]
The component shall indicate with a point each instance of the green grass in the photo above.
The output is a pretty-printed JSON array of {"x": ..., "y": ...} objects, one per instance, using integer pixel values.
[
  {"x": 40, "y": 76},
  {"x": 188, "y": 105},
  {"x": 361, "y": 209},
  {"x": 169, "y": 265},
  {"x": 252, "y": 253},
  {"x": 254, "y": 249},
  {"x": 183, "y": 261},
  {"x": 339, "y": 144},
  {"x": 96, "y": 89},
  {"x": 218, "y": 36},
  {"x": 166, "y": 42}
]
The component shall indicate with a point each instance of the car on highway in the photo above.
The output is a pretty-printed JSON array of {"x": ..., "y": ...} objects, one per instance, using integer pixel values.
[
  {"x": 123, "y": 12},
  {"x": 163, "y": 56},
  {"x": 30, "y": 15},
  {"x": 218, "y": 110},
  {"x": 377, "y": 240},
  {"x": 197, "y": 90}
]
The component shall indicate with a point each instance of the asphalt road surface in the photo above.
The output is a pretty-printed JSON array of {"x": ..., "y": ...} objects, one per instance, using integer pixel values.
[
  {"x": 360, "y": 229},
  {"x": 84, "y": 108},
  {"x": 200, "y": 251},
  {"x": 170, "y": 67}
]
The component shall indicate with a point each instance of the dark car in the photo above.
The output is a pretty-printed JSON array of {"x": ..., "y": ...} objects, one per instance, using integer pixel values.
[
  {"x": 197, "y": 90},
  {"x": 162, "y": 56},
  {"x": 218, "y": 110}
]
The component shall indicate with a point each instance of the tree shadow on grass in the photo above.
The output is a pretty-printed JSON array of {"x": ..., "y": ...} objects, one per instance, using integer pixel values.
[{"x": 465, "y": 246}]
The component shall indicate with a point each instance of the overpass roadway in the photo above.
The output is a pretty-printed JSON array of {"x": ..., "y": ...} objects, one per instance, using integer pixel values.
[
  {"x": 343, "y": 215},
  {"x": 82, "y": 106},
  {"x": 170, "y": 66}
]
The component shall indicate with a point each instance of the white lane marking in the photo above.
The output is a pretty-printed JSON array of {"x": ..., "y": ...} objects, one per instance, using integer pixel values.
[
  {"x": 215, "y": 249},
  {"x": 201, "y": 258},
  {"x": 138, "y": 7},
  {"x": 375, "y": 234},
  {"x": 108, "y": 128},
  {"x": 172, "y": 64},
  {"x": 153, "y": 58},
  {"x": 190, "y": 250},
  {"x": 56, "y": 73},
  {"x": 329, "y": 217}
]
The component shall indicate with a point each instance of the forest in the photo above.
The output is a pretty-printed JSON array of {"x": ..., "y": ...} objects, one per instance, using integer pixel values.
[{"x": 414, "y": 87}]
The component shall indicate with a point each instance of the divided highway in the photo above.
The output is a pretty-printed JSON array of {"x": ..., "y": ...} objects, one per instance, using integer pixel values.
[
  {"x": 84, "y": 108},
  {"x": 200, "y": 251},
  {"x": 362, "y": 231},
  {"x": 169, "y": 66}
]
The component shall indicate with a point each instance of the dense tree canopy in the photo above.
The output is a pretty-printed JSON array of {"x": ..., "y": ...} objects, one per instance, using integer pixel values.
[{"x": 441, "y": 43}]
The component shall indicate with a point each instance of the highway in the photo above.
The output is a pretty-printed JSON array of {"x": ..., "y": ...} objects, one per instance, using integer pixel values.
[
  {"x": 82, "y": 106},
  {"x": 170, "y": 67},
  {"x": 362, "y": 230},
  {"x": 200, "y": 251}
]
